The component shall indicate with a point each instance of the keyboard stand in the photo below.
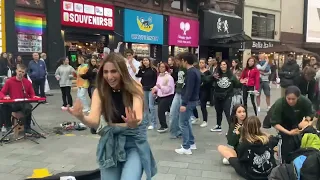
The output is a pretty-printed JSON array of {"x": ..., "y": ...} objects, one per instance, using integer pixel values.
[{"x": 19, "y": 122}]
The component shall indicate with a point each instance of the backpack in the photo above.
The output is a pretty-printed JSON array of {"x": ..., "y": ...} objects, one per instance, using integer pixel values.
[{"x": 282, "y": 172}]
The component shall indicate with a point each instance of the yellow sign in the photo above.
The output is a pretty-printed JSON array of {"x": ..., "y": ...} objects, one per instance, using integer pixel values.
[
  {"x": 145, "y": 24},
  {"x": 40, "y": 173},
  {"x": 2, "y": 27}
]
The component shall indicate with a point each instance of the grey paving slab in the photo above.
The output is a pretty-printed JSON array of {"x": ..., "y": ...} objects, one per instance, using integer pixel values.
[{"x": 77, "y": 152}]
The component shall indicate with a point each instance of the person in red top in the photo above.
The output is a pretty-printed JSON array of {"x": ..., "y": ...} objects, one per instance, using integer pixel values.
[
  {"x": 18, "y": 87},
  {"x": 250, "y": 78}
]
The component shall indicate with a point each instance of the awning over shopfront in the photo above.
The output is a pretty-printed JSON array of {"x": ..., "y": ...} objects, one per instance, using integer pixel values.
[
  {"x": 222, "y": 27},
  {"x": 231, "y": 38}
]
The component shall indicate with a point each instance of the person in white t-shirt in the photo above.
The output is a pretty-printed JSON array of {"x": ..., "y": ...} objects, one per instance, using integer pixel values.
[{"x": 132, "y": 64}]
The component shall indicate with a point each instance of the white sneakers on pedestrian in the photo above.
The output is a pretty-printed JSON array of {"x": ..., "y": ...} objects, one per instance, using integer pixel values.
[
  {"x": 204, "y": 124},
  {"x": 225, "y": 161},
  {"x": 194, "y": 120},
  {"x": 184, "y": 151},
  {"x": 192, "y": 147},
  {"x": 258, "y": 109},
  {"x": 216, "y": 129},
  {"x": 150, "y": 128}
]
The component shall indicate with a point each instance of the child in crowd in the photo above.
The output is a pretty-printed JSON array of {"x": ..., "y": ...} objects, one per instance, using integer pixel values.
[
  {"x": 254, "y": 157},
  {"x": 238, "y": 116}
]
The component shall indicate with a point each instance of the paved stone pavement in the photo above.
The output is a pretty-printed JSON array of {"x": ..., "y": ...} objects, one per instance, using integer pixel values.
[{"x": 76, "y": 151}]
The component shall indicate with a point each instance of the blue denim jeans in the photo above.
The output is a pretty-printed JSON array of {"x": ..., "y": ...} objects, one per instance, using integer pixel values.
[
  {"x": 175, "y": 129},
  {"x": 131, "y": 169},
  {"x": 150, "y": 110},
  {"x": 82, "y": 95},
  {"x": 186, "y": 126}
]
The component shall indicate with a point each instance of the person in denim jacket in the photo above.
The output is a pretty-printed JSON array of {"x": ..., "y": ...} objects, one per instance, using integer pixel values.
[{"x": 117, "y": 113}]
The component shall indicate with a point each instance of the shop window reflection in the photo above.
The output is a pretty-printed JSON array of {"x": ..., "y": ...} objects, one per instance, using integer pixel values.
[
  {"x": 263, "y": 25},
  {"x": 141, "y": 50},
  {"x": 177, "y": 50},
  {"x": 177, "y": 4}
]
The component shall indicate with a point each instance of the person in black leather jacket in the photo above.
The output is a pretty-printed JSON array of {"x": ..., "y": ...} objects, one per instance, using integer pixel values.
[{"x": 289, "y": 74}]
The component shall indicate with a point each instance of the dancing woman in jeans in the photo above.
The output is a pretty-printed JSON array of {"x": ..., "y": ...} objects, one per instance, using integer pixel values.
[
  {"x": 64, "y": 74},
  {"x": 123, "y": 151},
  {"x": 224, "y": 90},
  {"x": 148, "y": 75},
  {"x": 164, "y": 89},
  {"x": 250, "y": 78}
]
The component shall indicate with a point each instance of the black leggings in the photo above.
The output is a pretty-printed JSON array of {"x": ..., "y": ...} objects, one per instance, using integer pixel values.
[
  {"x": 252, "y": 97},
  {"x": 204, "y": 96},
  {"x": 163, "y": 107},
  {"x": 223, "y": 105},
  {"x": 66, "y": 96}
]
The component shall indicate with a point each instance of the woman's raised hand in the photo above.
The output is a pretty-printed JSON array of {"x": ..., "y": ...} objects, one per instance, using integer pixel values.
[
  {"x": 76, "y": 111},
  {"x": 131, "y": 118}
]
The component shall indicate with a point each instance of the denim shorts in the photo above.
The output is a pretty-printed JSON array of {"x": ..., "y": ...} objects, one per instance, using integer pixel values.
[{"x": 265, "y": 86}]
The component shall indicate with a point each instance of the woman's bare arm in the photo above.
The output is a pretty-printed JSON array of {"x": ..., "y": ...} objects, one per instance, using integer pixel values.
[{"x": 93, "y": 119}]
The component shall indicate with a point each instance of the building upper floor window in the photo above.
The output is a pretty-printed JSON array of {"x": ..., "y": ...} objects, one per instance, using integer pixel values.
[
  {"x": 156, "y": 2},
  {"x": 177, "y": 4},
  {"x": 192, "y": 6},
  {"x": 263, "y": 25}
]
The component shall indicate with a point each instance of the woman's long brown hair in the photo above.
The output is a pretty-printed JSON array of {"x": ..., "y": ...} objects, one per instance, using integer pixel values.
[
  {"x": 129, "y": 87},
  {"x": 251, "y": 131}
]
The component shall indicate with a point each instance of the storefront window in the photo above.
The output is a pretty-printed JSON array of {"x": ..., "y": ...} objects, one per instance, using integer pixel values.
[
  {"x": 192, "y": 6},
  {"x": 30, "y": 30},
  {"x": 263, "y": 25},
  {"x": 141, "y": 50},
  {"x": 178, "y": 50},
  {"x": 177, "y": 4}
]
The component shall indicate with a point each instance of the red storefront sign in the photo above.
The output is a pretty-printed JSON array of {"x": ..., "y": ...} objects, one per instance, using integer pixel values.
[{"x": 87, "y": 14}]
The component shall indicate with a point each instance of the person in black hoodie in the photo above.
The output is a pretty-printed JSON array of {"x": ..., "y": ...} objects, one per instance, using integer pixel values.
[
  {"x": 173, "y": 68},
  {"x": 205, "y": 88},
  {"x": 289, "y": 74},
  {"x": 148, "y": 74},
  {"x": 253, "y": 159},
  {"x": 307, "y": 82},
  {"x": 224, "y": 90},
  {"x": 4, "y": 64},
  {"x": 91, "y": 76}
]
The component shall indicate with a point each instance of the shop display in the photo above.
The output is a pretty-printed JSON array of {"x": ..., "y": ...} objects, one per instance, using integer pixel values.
[
  {"x": 141, "y": 50},
  {"x": 178, "y": 50},
  {"x": 29, "y": 43}
]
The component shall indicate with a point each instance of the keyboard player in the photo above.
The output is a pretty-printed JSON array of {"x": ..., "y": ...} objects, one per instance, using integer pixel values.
[{"x": 19, "y": 87}]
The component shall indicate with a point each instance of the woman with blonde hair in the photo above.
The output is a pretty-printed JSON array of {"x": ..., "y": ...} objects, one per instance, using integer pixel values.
[
  {"x": 254, "y": 157},
  {"x": 123, "y": 151}
]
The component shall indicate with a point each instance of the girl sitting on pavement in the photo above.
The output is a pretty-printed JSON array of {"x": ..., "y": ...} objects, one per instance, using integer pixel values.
[
  {"x": 238, "y": 116},
  {"x": 253, "y": 159}
]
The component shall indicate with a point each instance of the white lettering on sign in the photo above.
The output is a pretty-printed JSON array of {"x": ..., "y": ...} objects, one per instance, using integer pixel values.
[
  {"x": 87, "y": 19},
  {"x": 184, "y": 39},
  {"x": 144, "y": 37},
  {"x": 260, "y": 45}
]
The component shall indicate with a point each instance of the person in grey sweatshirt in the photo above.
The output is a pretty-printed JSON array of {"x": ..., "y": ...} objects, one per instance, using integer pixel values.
[
  {"x": 265, "y": 70},
  {"x": 64, "y": 74}
]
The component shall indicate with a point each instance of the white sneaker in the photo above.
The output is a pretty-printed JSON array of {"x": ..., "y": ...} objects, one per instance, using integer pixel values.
[
  {"x": 150, "y": 128},
  {"x": 216, "y": 129},
  {"x": 63, "y": 108},
  {"x": 204, "y": 124},
  {"x": 268, "y": 108},
  {"x": 194, "y": 120},
  {"x": 225, "y": 161},
  {"x": 258, "y": 109},
  {"x": 167, "y": 113},
  {"x": 192, "y": 147},
  {"x": 183, "y": 151}
]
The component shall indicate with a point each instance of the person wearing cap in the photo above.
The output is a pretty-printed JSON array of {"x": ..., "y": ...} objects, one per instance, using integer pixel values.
[{"x": 289, "y": 73}]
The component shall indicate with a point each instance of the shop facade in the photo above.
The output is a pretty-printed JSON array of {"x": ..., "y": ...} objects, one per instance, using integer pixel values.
[
  {"x": 183, "y": 35},
  {"x": 25, "y": 27},
  {"x": 86, "y": 27},
  {"x": 144, "y": 33},
  {"x": 262, "y": 24},
  {"x": 311, "y": 26},
  {"x": 221, "y": 35},
  {"x": 2, "y": 27}
]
